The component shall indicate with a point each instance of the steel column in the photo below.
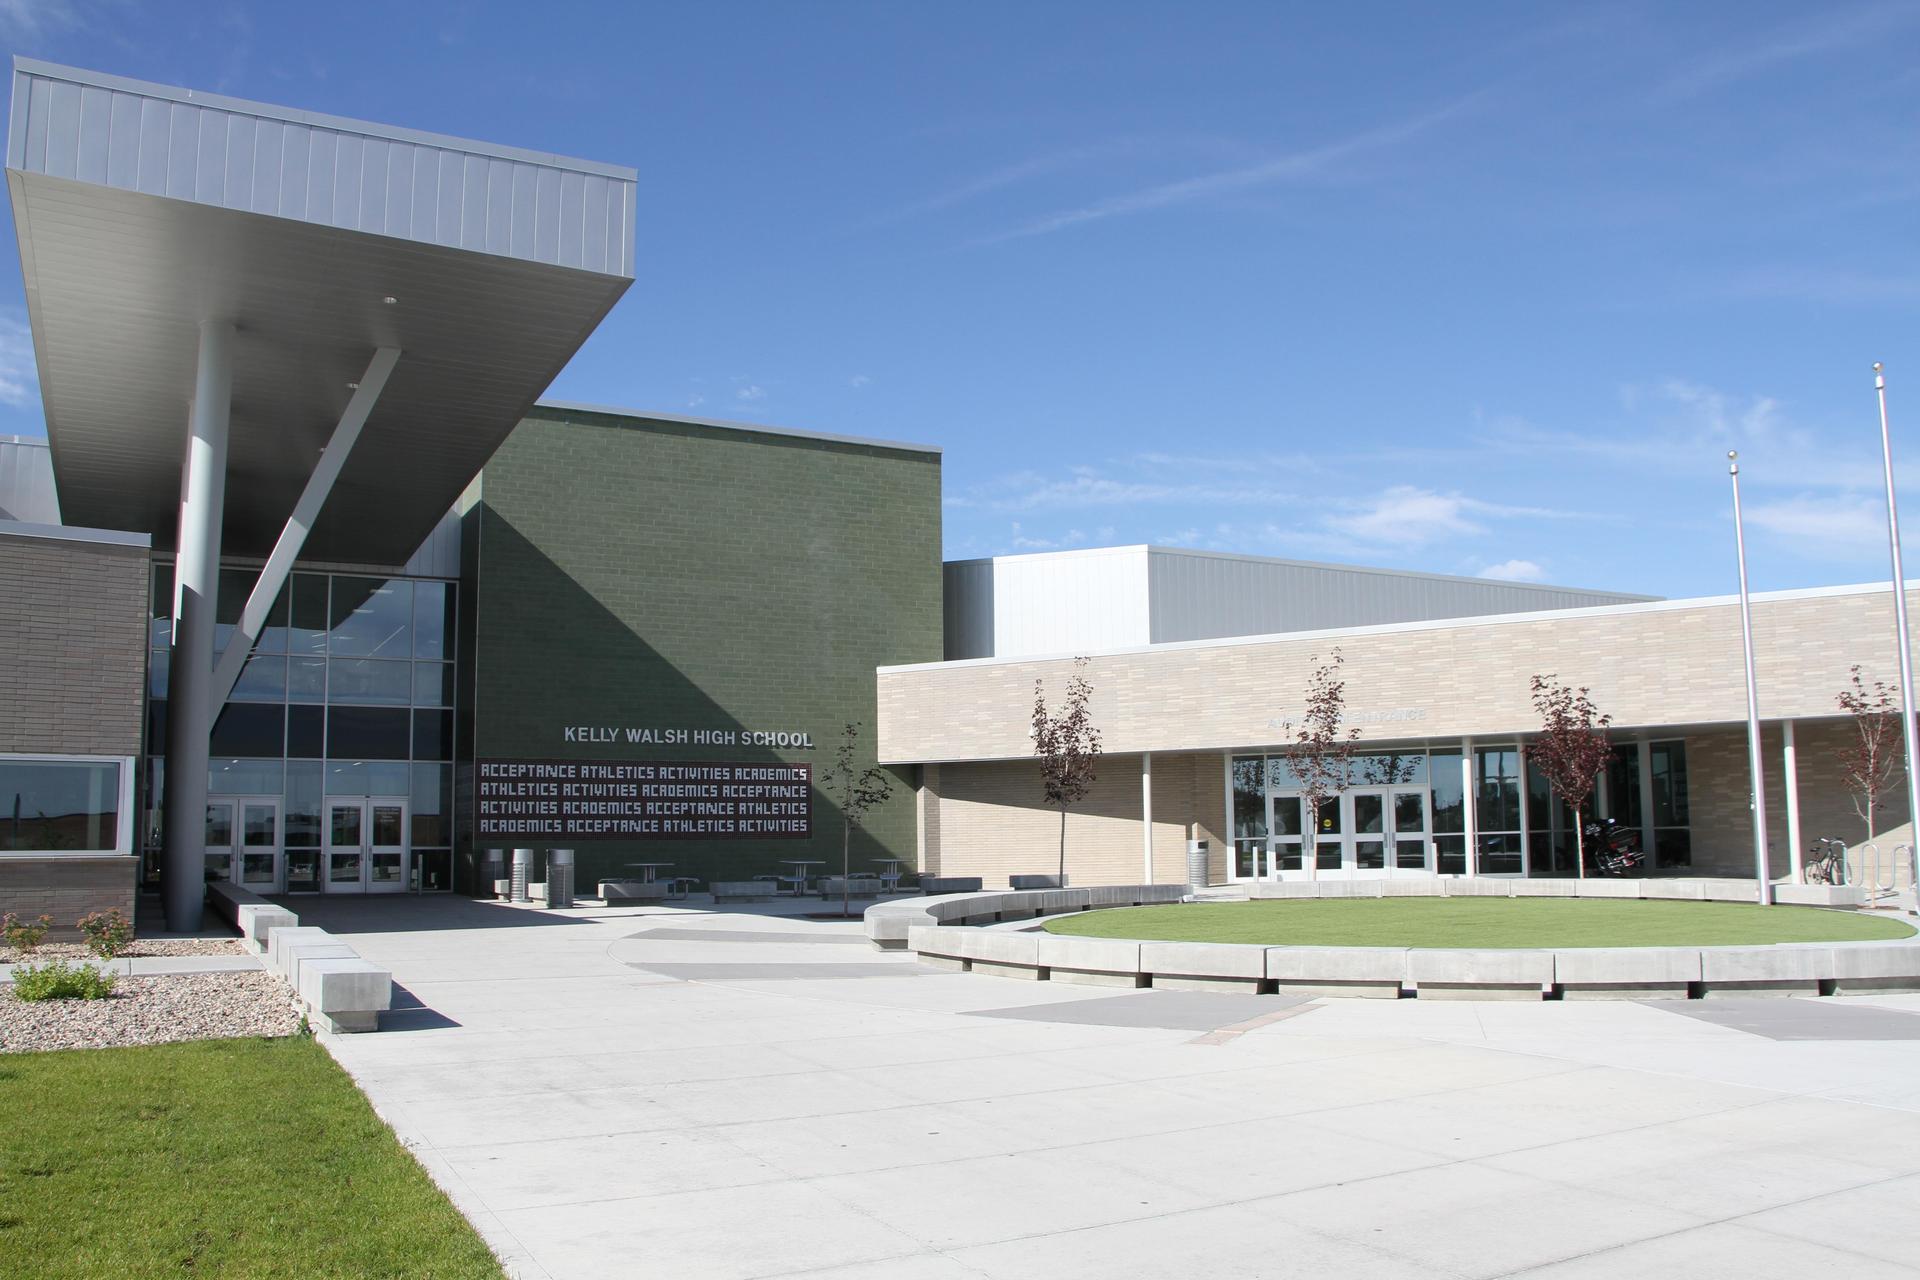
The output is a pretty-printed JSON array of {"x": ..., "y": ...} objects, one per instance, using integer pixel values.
[
  {"x": 1146, "y": 817},
  {"x": 293, "y": 536},
  {"x": 196, "y": 591}
]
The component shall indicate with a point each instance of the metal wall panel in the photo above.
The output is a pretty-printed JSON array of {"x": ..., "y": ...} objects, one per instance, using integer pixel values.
[
  {"x": 439, "y": 555},
  {"x": 320, "y": 169},
  {"x": 1071, "y": 602},
  {"x": 1205, "y": 596},
  {"x": 26, "y": 482}
]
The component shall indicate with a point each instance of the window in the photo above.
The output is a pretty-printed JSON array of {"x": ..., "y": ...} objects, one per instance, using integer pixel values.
[
  {"x": 1449, "y": 814},
  {"x": 1496, "y": 786},
  {"x": 1672, "y": 834},
  {"x": 65, "y": 805},
  {"x": 1249, "y": 815}
]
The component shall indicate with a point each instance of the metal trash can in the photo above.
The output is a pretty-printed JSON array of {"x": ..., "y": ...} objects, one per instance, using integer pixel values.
[
  {"x": 522, "y": 872},
  {"x": 1197, "y": 863},
  {"x": 559, "y": 877},
  {"x": 493, "y": 868}
]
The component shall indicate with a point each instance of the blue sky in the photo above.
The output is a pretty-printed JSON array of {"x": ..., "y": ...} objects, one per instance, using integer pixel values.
[{"x": 1470, "y": 288}]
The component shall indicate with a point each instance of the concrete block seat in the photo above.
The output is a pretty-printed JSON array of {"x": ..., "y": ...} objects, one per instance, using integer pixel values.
[
  {"x": 1037, "y": 882},
  {"x": 931, "y": 885},
  {"x": 251, "y": 914},
  {"x": 341, "y": 991},
  {"x": 612, "y": 891}
]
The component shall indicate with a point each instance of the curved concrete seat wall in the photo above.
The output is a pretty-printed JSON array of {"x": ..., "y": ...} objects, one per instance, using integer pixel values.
[
  {"x": 888, "y": 923},
  {"x": 1621, "y": 973}
]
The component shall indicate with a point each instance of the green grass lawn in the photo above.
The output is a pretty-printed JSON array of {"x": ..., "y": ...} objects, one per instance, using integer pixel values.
[
  {"x": 234, "y": 1158},
  {"x": 1479, "y": 922}
]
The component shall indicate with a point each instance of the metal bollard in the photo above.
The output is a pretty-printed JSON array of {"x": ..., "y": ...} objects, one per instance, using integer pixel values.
[
  {"x": 522, "y": 871},
  {"x": 559, "y": 877}
]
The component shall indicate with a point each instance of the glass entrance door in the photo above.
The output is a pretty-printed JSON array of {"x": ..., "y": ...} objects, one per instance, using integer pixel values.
[
  {"x": 1412, "y": 849},
  {"x": 260, "y": 838},
  {"x": 366, "y": 846},
  {"x": 243, "y": 842}
]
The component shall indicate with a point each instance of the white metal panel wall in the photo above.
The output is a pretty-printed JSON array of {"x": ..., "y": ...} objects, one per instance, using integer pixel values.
[
  {"x": 1197, "y": 596},
  {"x": 320, "y": 169},
  {"x": 1072, "y": 602},
  {"x": 27, "y": 492}
]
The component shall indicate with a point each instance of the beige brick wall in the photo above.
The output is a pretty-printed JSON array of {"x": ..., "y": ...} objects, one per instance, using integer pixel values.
[
  {"x": 1648, "y": 665},
  {"x": 988, "y": 820},
  {"x": 66, "y": 888}
]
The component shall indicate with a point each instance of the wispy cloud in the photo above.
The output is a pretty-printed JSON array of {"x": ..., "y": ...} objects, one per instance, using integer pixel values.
[
  {"x": 1514, "y": 571},
  {"x": 1824, "y": 32},
  {"x": 1824, "y": 527},
  {"x": 30, "y": 19},
  {"x": 751, "y": 392},
  {"x": 859, "y": 380},
  {"x": 1295, "y": 166},
  {"x": 1406, "y": 515},
  {"x": 19, "y": 377},
  {"x": 1087, "y": 487}
]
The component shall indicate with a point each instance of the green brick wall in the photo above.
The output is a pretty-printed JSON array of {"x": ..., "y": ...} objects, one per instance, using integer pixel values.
[{"x": 635, "y": 571}]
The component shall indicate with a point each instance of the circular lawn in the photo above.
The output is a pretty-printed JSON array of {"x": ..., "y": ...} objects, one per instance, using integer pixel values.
[{"x": 1486, "y": 923}]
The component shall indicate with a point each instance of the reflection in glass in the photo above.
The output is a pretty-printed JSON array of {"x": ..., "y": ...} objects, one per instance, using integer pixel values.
[
  {"x": 433, "y": 684},
  {"x": 303, "y": 870},
  {"x": 307, "y": 680},
  {"x": 231, "y": 777},
  {"x": 432, "y": 804},
  {"x": 343, "y": 826},
  {"x": 432, "y": 619},
  {"x": 370, "y": 680},
  {"x": 219, "y": 824},
  {"x": 59, "y": 805},
  {"x": 250, "y": 729},
  {"x": 389, "y": 825},
  {"x": 303, "y": 803},
  {"x": 379, "y": 733},
  {"x": 371, "y": 617},
  {"x": 262, "y": 679},
  {"x": 343, "y": 868},
  {"x": 259, "y": 825},
  {"x": 306, "y": 732},
  {"x": 367, "y": 777},
  {"x": 309, "y": 632}
]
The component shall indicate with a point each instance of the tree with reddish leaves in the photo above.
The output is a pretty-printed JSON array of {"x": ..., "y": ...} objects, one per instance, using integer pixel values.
[
  {"x": 1067, "y": 745},
  {"x": 1571, "y": 750},
  {"x": 1870, "y": 762},
  {"x": 1319, "y": 753}
]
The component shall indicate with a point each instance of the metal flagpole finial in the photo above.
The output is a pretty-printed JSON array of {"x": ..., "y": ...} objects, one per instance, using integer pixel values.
[{"x": 1733, "y": 462}]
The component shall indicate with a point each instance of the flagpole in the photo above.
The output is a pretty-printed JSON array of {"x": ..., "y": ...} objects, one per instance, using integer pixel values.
[
  {"x": 1899, "y": 605},
  {"x": 1762, "y": 876}
]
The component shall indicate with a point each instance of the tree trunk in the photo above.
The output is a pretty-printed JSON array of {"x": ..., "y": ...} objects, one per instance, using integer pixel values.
[
  {"x": 1579, "y": 845},
  {"x": 1063, "y": 847},
  {"x": 846, "y": 865},
  {"x": 1310, "y": 839}
]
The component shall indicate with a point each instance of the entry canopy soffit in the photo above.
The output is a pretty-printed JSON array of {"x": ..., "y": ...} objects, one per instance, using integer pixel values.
[{"x": 143, "y": 210}]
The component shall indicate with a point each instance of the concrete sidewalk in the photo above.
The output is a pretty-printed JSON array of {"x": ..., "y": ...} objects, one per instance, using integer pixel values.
[{"x": 657, "y": 1091}]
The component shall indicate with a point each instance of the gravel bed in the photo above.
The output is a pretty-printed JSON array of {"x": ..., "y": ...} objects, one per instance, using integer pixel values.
[
  {"x": 187, "y": 1006},
  {"x": 141, "y": 947}
]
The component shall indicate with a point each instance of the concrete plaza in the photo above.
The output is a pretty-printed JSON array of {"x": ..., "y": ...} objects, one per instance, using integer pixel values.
[{"x": 669, "y": 1092}]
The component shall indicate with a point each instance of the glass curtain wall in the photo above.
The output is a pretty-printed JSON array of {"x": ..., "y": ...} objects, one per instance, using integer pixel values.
[
  {"x": 348, "y": 692},
  {"x": 1521, "y": 824}
]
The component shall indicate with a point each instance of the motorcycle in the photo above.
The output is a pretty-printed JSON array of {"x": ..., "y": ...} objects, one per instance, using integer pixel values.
[{"x": 1615, "y": 849}]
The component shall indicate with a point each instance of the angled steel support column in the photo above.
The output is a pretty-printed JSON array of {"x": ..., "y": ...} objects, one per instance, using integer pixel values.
[
  {"x": 273, "y": 576},
  {"x": 196, "y": 586}
]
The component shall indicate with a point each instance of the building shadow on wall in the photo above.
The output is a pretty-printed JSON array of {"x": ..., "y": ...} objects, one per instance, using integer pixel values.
[{"x": 548, "y": 654}]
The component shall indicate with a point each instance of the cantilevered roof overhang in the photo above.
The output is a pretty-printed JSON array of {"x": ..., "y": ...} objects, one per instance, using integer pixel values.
[{"x": 143, "y": 210}]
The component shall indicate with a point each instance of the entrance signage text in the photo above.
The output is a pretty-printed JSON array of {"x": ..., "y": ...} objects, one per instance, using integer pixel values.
[{"x": 643, "y": 800}]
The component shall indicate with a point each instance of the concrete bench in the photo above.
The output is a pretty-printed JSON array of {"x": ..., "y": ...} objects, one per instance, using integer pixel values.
[
  {"x": 743, "y": 890},
  {"x": 612, "y": 891},
  {"x": 931, "y": 885},
  {"x": 1037, "y": 882},
  {"x": 251, "y": 914},
  {"x": 341, "y": 991}
]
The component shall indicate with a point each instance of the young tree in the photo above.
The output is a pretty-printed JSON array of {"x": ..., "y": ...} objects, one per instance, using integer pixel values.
[
  {"x": 1571, "y": 750},
  {"x": 1067, "y": 746},
  {"x": 1320, "y": 755},
  {"x": 1870, "y": 761},
  {"x": 856, "y": 791}
]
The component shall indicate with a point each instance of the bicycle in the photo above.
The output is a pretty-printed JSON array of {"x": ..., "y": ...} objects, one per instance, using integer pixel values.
[{"x": 1828, "y": 863}]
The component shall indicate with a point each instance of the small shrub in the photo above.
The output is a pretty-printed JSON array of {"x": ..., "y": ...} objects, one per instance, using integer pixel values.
[
  {"x": 56, "y": 980},
  {"x": 24, "y": 936},
  {"x": 108, "y": 933}
]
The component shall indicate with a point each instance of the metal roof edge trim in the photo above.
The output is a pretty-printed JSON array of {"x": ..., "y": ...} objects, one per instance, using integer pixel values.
[
  {"x": 614, "y": 411},
  {"x": 74, "y": 533},
  {"x": 318, "y": 119},
  {"x": 1429, "y": 624}
]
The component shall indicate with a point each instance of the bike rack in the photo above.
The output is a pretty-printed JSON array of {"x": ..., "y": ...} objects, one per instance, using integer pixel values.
[{"x": 1881, "y": 878}]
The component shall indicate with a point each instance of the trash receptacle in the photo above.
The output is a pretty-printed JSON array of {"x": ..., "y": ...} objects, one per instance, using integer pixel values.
[
  {"x": 1197, "y": 863},
  {"x": 522, "y": 872},
  {"x": 559, "y": 877}
]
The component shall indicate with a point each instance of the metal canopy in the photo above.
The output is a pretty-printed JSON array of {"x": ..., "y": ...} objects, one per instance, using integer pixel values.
[{"x": 142, "y": 211}]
